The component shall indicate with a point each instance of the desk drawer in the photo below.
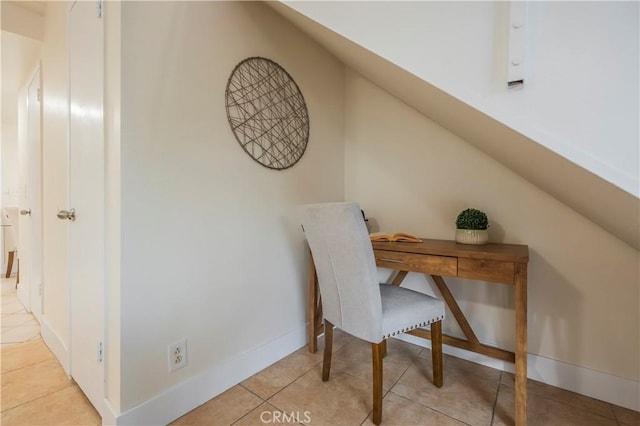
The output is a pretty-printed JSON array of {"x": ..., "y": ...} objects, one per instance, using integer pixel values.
[
  {"x": 486, "y": 270},
  {"x": 429, "y": 264}
]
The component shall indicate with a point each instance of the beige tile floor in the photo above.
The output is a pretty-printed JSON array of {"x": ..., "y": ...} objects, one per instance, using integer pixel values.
[
  {"x": 18, "y": 326},
  {"x": 34, "y": 388},
  {"x": 35, "y": 391}
]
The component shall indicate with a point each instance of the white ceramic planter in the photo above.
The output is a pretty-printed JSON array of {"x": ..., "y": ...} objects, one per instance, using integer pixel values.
[{"x": 472, "y": 236}]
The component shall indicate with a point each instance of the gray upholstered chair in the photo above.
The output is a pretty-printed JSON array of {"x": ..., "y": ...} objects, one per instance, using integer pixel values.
[{"x": 353, "y": 299}]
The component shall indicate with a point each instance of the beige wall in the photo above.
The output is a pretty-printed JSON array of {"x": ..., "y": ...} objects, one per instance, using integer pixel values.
[
  {"x": 211, "y": 248},
  {"x": 409, "y": 174}
]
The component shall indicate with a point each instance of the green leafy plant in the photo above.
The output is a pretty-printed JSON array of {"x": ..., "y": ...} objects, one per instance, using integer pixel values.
[{"x": 472, "y": 219}]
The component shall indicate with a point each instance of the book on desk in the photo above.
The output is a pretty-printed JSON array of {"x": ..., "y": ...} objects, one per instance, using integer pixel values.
[{"x": 398, "y": 237}]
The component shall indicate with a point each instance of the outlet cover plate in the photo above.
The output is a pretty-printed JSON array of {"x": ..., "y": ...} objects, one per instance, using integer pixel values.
[{"x": 177, "y": 355}]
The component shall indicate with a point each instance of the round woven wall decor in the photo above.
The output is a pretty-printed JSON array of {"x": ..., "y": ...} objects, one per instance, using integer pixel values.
[{"x": 267, "y": 113}]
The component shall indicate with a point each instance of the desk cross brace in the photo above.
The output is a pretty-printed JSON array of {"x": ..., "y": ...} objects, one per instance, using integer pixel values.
[{"x": 472, "y": 343}]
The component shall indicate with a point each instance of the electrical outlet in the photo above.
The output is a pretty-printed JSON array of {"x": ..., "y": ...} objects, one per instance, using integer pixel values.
[{"x": 177, "y": 355}]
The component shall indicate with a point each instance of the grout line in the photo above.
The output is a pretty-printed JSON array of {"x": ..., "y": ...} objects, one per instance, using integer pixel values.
[
  {"x": 32, "y": 365},
  {"x": 369, "y": 414},
  {"x": 40, "y": 397},
  {"x": 495, "y": 401},
  {"x": 413, "y": 362},
  {"x": 245, "y": 414},
  {"x": 429, "y": 408},
  {"x": 285, "y": 386},
  {"x": 416, "y": 360},
  {"x": 13, "y": 344},
  {"x": 289, "y": 384},
  {"x": 245, "y": 388},
  {"x": 545, "y": 396},
  {"x": 615, "y": 416},
  {"x": 10, "y": 328},
  {"x": 584, "y": 410}
]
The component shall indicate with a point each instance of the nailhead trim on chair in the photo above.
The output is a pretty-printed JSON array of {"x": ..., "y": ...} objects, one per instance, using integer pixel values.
[{"x": 404, "y": 330}]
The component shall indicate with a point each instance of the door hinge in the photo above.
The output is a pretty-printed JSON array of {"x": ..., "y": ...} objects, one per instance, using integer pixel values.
[
  {"x": 100, "y": 352},
  {"x": 39, "y": 95},
  {"x": 99, "y": 8}
]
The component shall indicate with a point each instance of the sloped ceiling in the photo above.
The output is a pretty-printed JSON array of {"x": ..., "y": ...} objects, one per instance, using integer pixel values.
[{"x": 606, "y": 205}]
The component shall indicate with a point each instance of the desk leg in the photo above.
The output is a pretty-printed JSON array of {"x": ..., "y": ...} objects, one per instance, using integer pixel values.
[
  {"x": 521, "y": 344},
  {"x": 313, "y": 299}
]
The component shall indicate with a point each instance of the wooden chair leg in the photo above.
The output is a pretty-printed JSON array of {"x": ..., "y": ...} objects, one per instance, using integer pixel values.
[
  {"x": 10, "y": 263},
  {"x": 377, "y": 354},
  {"x": 436, "y": 352},
  {"x": 328, "y": 346},
  {"x": 384, "y": 348}
]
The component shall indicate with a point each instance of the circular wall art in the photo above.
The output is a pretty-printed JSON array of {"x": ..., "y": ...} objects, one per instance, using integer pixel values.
[{"x": 267, "y": 113}]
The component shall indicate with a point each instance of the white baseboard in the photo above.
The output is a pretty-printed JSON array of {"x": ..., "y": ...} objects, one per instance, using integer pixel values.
[
  {"x": 595, "y": 384},
  {"x": 55, "y": 344},
  {"x": 109, "y": 417},
  {"x": 197, "y": 390},
  {"x": 23, "y": 297}
]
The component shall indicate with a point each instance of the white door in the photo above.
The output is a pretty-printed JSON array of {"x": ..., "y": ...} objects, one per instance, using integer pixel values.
[
  {"x": 86, "y": 198},
  {"x": 30, "y": 223}
]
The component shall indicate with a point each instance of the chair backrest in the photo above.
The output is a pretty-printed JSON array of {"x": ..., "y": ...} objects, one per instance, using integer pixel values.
[
  {"x": 346, "y": 267},
  {"x": 10, "y": 228}
]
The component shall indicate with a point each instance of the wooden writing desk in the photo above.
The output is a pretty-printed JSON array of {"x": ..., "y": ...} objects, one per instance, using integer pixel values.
[{"x": 499, "y": 263}]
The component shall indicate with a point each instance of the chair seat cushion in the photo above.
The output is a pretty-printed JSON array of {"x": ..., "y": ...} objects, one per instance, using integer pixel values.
[{"x": 404, "y": 309}]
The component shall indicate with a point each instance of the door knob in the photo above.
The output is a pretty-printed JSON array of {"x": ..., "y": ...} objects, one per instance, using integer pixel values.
[
  {"x": 67, "y": 214},
  {"x": 26, "y": 212}
]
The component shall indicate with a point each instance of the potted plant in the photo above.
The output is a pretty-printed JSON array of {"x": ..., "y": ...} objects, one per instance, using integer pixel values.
[{"x": 471, "y": 227}]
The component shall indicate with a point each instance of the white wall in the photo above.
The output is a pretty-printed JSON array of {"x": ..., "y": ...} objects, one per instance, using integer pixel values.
[
  {"x": 410, "y": 174},
  {"x": 580, "y": 97},
  {"x": 10, "y": 184},
  {"x": 211, "y": 248}
]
